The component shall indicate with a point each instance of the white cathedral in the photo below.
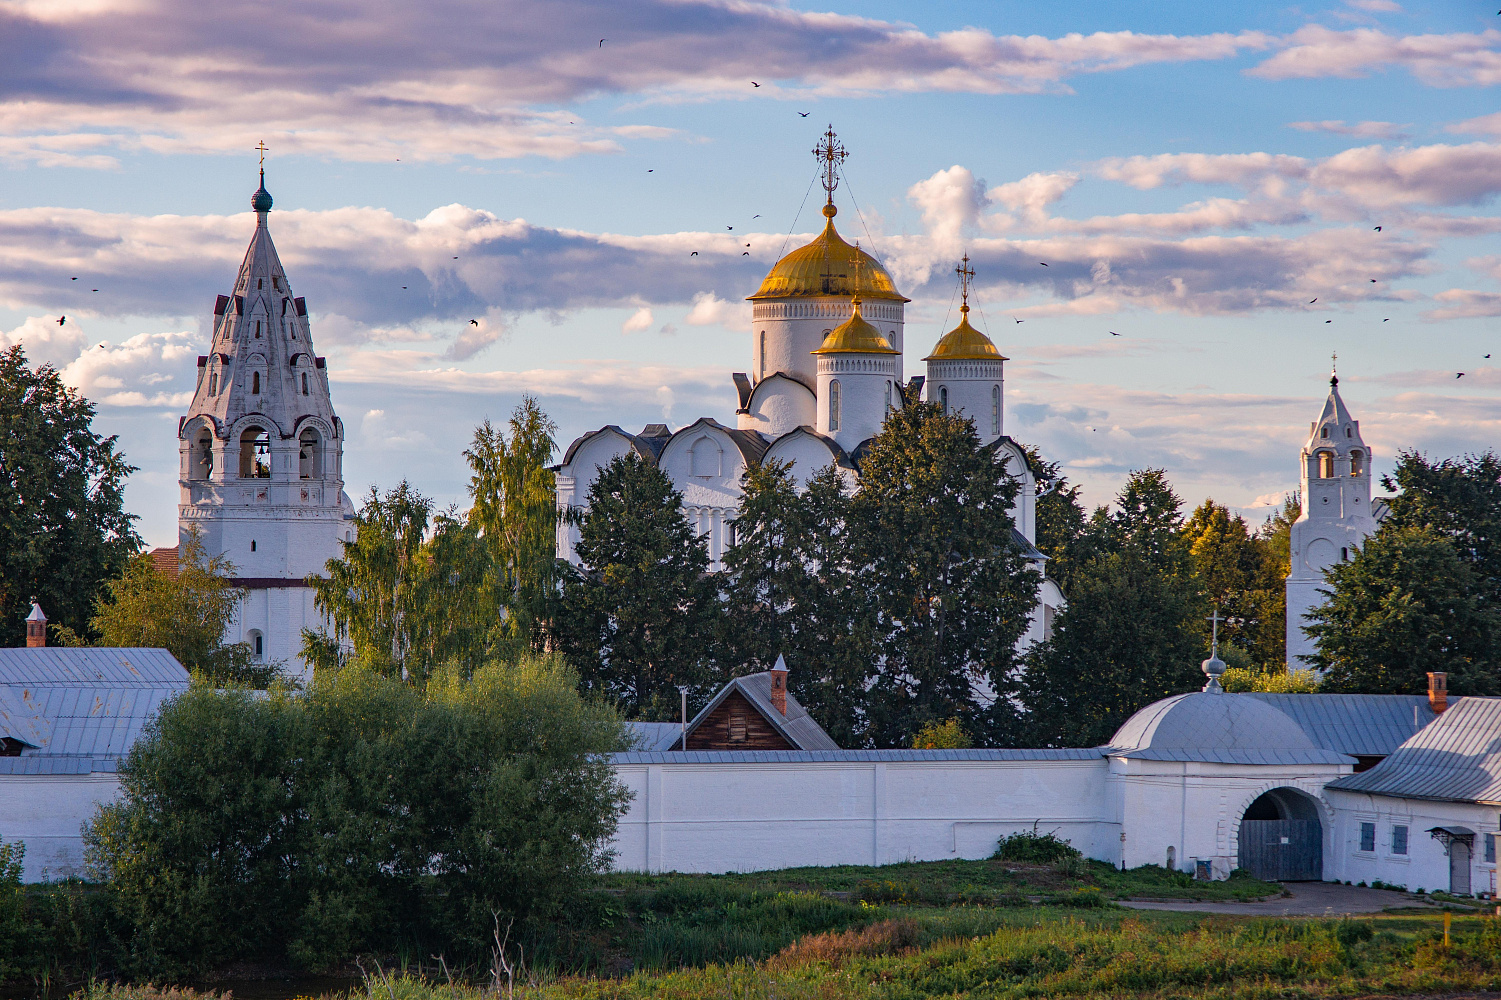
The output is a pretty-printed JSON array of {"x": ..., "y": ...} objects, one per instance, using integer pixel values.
[{"x": 261, "y": 448}]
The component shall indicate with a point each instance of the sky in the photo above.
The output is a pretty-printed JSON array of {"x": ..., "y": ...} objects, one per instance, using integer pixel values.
[{"x": 1205, "y": 183}]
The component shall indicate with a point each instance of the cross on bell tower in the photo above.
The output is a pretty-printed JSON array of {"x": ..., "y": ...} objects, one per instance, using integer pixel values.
[{"x": 966, "y": 276}]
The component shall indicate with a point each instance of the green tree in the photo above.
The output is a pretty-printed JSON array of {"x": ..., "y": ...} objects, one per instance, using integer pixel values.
[
  {"x": 515, "y": 510},
  {"x": 953, "y": 594},
  {"x": 64, "y": 532},
  {"x": 1061, "y": 520},
  {"x": 363, "y": 816},
  {"x": 1133, "y": 630},
  {"x": 1243, "y": 578},
  {"x": 789, "y": 588},
  {"x": 948, "y": 735},
  {"x": 1459, "y": 498},
  {"x": 1405, "y": 605},
  {"x": 636, "y": 618},
  {"x": 409, "y": 594},
  {"x": 186, "y": 613}
]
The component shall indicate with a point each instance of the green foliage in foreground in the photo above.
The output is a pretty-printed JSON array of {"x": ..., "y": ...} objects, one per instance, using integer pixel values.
[
  {"x": 362, "y": 817},
  {"x": 973, "y": 953}
]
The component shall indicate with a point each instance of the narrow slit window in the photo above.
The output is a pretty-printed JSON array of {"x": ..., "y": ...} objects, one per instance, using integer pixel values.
[
  {"x": 255, "y": 383},
  {"x": 834, "y": 405},
  {"x": 995, "y": 410},
  {"x": 943, "y": 399},
  {"x": 304, "y": 383}
]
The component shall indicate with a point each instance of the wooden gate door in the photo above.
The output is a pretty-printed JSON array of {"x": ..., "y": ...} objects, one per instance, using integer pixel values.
[
  {"x": 1459, "y": 866},
  {"x": 1282, "y": 850}
]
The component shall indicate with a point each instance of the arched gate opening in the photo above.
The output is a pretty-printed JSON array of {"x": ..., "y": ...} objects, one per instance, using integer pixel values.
[{"x": 1281, "y": 838}]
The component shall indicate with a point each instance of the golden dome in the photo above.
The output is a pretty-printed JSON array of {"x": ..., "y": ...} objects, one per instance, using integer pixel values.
[
  {"x": 824, "y": 267},
  {"x": 965, "y": 343},
  {"x": 855, "y": 336}
]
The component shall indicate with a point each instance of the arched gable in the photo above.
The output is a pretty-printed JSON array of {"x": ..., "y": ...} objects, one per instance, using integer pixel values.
[
  {"x": 258, "y": 420},
  {"x": 778, "y": 402},
  {"x": 587, "y": 455},
  {"x": 809, "y": 452},
  {"x": 706, "y": 461}
]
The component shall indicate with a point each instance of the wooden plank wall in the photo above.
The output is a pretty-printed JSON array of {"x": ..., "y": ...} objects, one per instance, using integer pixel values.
[{"x": 714, "y": 734}]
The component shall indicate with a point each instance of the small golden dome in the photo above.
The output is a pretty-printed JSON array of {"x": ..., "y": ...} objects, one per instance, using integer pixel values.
[
  {"x": 965, "y": 343},
  {"x": 826, "y": 267},
  {"x": 855, "y": 336}
]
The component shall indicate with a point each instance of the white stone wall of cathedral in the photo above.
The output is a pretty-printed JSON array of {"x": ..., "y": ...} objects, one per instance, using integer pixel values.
[
  {"x": 975, "y": 389},
  {"x": 785, "y": 332},
  {"x": 867, "y": 391},
  {"x": 777, "y": 405},
  {"x": 278, "y": 615}
]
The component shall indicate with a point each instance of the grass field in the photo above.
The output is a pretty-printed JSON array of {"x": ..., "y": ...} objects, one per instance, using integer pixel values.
[{"x": 914, "y": 953}]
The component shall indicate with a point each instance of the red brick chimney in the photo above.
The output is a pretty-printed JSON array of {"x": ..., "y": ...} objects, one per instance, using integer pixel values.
[
  {"x": 1438, "y": 692},
  {"x": 779, "y": 685},
  {"x": 36, "y": 627}
]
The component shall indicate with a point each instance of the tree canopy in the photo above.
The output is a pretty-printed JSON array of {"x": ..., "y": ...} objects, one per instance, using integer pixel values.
[{"x": 64, "y": 531}]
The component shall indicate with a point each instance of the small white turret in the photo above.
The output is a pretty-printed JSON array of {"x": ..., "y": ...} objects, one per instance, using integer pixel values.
[
  {"x": 858, "y": 371},
  {"x": 966, "y": 374},
  {"x": 1336, "y": 518}
]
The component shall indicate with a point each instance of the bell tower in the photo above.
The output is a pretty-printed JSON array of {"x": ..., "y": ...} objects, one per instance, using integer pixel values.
[
  {"x": 261, "y": 453},
  {"x": 1336, "y": 518}
]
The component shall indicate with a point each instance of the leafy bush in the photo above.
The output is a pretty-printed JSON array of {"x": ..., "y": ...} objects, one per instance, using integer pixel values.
[
  {"x": 1237, "y": 679},
  {"x": 1031, "y": 847},
  {"x": 364, "y": 816},
  {"x": 948, "y": 735}
]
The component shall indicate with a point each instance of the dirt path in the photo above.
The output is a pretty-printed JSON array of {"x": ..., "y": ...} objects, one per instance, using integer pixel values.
[{"x": 1308, "y": 899}]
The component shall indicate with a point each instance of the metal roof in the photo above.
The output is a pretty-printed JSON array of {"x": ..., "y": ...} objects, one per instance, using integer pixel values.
[
  {"x": 847, "y": 756},
  {"x": 656, "y": 735},
  {"x": 1213, "y": 726},
  {"x": 63, "y": 666},
  {"x": 59, "y": 764},
  {"x": 796, "y": 727},
  {"x": 83, "y": 702},
  {"x": 1220, "y": 755},
  {"x": 1357, "y": 724},
  {"x": 1456, "y": 758}
]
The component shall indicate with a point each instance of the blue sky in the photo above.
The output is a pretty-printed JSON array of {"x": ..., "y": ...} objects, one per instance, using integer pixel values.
[{"x": 1193, "y": 173}]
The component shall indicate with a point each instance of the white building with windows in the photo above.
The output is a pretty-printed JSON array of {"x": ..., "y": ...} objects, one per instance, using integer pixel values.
[
  {"x": 1337, "y": 514},
  {"x": 261, "y": 453},
  {"x": 826, "y": 368}
]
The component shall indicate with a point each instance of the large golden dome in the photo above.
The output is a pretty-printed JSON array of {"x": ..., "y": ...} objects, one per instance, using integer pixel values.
[
  {"x": 965, "y": 343},
  {"x": 855, "y": 336},
  {"x": 826, "y": 267}
]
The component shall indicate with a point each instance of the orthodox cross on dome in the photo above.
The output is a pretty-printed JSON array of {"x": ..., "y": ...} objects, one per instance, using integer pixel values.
[
  {"x": 1214, "y": 642},
  {"x": 1334, "y": 368},
  {"x": 830, "y": 152},
  {"x": 966, "y": 276},
  {"x": 262, "y": 147}
]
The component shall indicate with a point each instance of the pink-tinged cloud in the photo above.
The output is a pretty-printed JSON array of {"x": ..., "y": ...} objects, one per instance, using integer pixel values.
[
  {"x": 1463, "y": 303},
  {"x": 1366, "y": 130},
  {"x": 1453, "y": 60}
]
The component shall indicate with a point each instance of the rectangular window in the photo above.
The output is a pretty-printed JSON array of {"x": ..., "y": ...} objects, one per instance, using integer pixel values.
[
  {"x": 737, "y": 728},
  {"x": 1399, "y": 839},
  {"x": 1490, "y": 847},
  {"x": 1368, "y": 836}
]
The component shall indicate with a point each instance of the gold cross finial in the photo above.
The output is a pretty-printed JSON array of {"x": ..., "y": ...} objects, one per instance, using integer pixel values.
[
  {"x": 830, "y": 153},
  {"x": 966, "y": 275},
  {"x": 262, "y": 147},
  {"x": 856, "y": 265}
]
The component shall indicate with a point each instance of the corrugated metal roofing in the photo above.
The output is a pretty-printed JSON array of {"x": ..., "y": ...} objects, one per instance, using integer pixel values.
[
  {"x": 846, "y": 756},
  {"x": 1363, "y": 724},
  {"x": 59, "y": 764},
  {"x": 61, "y": 666},
  {"x": 1214, "y": 755},
  {"x": 1456, "y": 758},
  {"x": 657, "y": 735},
  {"x": 83, "y": 702},
  {"x": 1191, "y": 725}
]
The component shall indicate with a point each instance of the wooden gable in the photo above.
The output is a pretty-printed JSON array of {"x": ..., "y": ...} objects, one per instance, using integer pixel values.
[{"x": 736, "y": 725}]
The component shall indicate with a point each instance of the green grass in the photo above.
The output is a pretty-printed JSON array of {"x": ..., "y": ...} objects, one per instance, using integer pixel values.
[
  {"x": 1005, "y": 953},
  {"x": 945, "y": 882}
]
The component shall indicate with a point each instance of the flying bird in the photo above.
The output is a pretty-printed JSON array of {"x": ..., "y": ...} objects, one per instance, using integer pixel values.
[
  {"x": 602, "y": 42},
  {"x": 75, "y": 279},
  {"x": 649, "y": 170},
  {"x": 1043, "y": 263},
  {"x": 754, "y": 84},
  {"x": 1387, "y": 320},
  {"x": 730, "y": 228},
  {"x": 1019, "y": 320},
  {"x": 455, "y": 258},
  {"x": 474, "y": 322},
  {"x": 693, "y": 254},
  {"x": 63, "y": 319},
  {"x": 1460, "y": 375},
  {"x": 1487, "y": 355},
  {"x": 1114, "y": 334},
  {"x": 1313, "y": 300},
  {"x": 745, "y": 253},
  {"x": 803, "y": 114},
  {"x": 1328, "y": 321},
  {"x": 755, "y": 217},
  {"x": 93, "y": 289},
  {"x": 1377, "y": 229},
  {"x": 403, "y": 288},
  {"x": 1373, "y": 281}
]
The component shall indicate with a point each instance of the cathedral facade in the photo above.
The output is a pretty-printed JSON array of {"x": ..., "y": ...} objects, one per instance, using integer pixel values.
[
  {"x": 261, "y": 454},
  {"x": 826, "y": 367}
]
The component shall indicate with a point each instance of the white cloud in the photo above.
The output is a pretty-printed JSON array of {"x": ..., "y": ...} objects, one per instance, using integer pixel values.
[
  {"x": 129, "y": 373},
  {"x": 950, "y": 202},
  {"x": 638, "y": 321},
  {"x": 1368, "y": 130},
  {"x": 44, "y": 341},
  {"x": 1031, "y": 196},
  {"x": 709, "y": 310},
  {"x": 1376, "y": 6},
  {"x": 1452, "y": 60}
]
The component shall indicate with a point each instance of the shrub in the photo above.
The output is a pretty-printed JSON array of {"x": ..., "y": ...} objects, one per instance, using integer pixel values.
[
  {"x": 1031, "y": 847},
  {"x": 889, "y": 937},
  {"x": 363, "y": 816},
  {"x": 948, "y": 735}
]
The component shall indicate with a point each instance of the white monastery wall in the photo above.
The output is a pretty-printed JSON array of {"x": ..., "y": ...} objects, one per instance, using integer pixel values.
[
  {"x": 719, "y": 817},
  {"x": 47, "y": 812},
  {"x": 1426, "y": 863}
]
